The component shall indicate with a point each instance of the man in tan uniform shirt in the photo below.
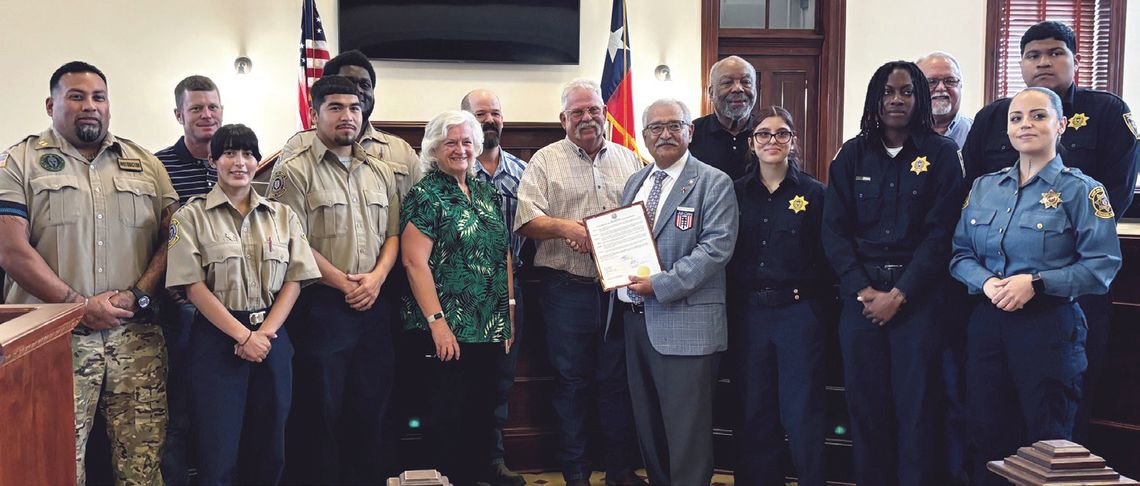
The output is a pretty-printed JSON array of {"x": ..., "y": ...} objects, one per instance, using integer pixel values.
[
  {"x": 83, "y": 219},
  {"x": 343, "y": 368},
  {"x": 390, "y": 149}
]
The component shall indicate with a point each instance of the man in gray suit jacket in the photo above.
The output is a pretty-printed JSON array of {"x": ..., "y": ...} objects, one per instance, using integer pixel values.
[{"x": 675, "y": 320}]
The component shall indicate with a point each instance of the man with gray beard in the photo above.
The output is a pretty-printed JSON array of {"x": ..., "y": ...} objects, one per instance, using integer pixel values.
[
  {"x": 945, "y": 77},
  {"x": 720, "y": 139}
]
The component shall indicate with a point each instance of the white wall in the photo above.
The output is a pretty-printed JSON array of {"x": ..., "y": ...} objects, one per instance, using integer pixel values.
[
  {"x": 879, "y": 31},
  {"x": 145, "y": 48}
]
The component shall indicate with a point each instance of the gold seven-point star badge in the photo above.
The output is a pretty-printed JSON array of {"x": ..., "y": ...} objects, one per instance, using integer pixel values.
[
  {"x": 1050, "y": 199},
  {"x": 919, "y": 165},
  {"x": 798, "y": 204},
  {"x": 1078, "y": 120}
]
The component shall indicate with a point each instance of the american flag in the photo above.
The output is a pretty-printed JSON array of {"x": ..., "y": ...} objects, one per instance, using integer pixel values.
[{"x": 314, "y": 54}]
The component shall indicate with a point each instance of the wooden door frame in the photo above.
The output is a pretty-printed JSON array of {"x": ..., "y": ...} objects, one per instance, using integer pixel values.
[{"x": 830, "y": 24}]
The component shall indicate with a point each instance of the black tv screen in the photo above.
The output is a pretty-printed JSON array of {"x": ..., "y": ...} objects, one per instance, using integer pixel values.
[{"x": 506, "y": 31}]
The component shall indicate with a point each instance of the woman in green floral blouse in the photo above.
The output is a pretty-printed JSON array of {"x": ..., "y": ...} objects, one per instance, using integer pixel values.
[{"x": 456, "y": 249}]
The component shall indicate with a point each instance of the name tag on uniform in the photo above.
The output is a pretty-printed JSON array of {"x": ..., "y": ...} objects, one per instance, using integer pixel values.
[
  {"x": 131, "y": 165},
  {"x": 863, "y": 178}
]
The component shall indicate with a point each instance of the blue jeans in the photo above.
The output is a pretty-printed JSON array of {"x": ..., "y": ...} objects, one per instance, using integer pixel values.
[
  {"x": 591, "y": 376},
  {"x": 505, "y": 372}
]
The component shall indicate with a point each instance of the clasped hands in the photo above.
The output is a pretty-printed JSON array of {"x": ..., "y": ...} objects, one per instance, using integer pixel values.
[
  {"x": 880, "y": 307},
  {"x": 256, "y": 347},
  {"x": 1011, "y": 293},
  {"x": 575, "y": 237}
]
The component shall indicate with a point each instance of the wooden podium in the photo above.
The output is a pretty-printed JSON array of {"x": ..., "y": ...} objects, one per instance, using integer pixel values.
[{"x": 37, "y": 408}]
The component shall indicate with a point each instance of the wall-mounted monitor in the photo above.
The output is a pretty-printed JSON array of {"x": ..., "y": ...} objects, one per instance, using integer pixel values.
[{"x": 503, "y": 31}]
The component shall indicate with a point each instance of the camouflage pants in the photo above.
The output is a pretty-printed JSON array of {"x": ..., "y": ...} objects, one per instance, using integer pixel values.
[{"x": 121, "y": 373}]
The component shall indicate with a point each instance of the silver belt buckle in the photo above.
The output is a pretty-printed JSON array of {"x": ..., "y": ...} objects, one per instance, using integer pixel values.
[{"x": 256, "y": 318}]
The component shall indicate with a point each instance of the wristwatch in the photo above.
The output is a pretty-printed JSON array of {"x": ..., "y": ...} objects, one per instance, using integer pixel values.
[
  {"x": 1038, "y": 284},
  {"x": 435, "y": 317},
  {"x": 141, "y": 298}
]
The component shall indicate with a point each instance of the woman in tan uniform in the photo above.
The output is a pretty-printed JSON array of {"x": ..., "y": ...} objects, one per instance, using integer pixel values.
[{"x": 242, "y": 260}]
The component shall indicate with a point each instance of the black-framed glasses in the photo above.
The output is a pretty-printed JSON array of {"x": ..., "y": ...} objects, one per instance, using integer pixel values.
[
  {"x": 659, "y": 128},
  {"x": 950, "y": 82},
  {"x": 782, "y": 136}
]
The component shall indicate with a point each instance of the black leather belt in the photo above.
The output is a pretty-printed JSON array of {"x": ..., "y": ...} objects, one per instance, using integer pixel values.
[
  {"x": 884, "y": 275},
  {"x": 570, "y": 277},
  {"x": 250, "y": 319},
  {"x": 777, "y": 296}
]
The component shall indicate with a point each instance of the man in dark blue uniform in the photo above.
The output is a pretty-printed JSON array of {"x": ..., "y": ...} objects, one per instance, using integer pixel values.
[
  {"x": 1100, "y": 140},
  {"x": 895, "y": 193}
]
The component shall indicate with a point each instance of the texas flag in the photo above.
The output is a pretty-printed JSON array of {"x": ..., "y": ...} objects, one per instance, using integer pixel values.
[{"x": 617, "y": 82}]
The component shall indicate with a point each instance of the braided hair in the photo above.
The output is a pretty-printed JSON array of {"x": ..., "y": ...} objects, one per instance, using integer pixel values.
[{"x": 922, "y": 117}]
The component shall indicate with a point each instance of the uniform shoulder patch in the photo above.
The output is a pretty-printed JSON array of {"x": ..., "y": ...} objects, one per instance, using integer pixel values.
[
  {"x": 173, "y": 237},
  {"x": 51, "y": 162},
  {"x": 277, "y": 184},
  {"x": 1101, "y": 206},
  {"x": 1130, "y": 121}
]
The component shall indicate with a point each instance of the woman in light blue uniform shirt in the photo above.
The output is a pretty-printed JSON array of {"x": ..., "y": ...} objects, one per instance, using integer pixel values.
[{"x": 1032, "y": 238}]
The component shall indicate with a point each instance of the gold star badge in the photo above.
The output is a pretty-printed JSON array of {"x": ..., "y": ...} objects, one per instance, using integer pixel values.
[
  {"x": 1050, "y": 199},
  {"x": 798, "y": 204},
  {"x": 919, "y": 165},
  {"x": 1078, "y": 120}
]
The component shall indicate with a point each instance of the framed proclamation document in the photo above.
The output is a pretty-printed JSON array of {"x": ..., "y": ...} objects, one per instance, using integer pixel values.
[{"x": 623, "y": 245}]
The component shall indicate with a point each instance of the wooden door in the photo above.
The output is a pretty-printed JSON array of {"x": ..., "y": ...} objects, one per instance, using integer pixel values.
[{"x": 792, "y": 82}]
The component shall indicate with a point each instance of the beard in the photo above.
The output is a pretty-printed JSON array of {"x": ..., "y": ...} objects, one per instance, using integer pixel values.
[
  {"x": 89, "y": 133},
  {"x": 343, "y": 140},
  {"x": 723, "y": 107},
  {"x": 491, "y": 136},
  {"x": 941, "y": 107}
]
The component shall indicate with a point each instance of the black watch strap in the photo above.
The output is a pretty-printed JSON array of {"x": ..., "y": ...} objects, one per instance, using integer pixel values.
[
  {"x": 141, "y": 298},
  {"x": 1038, "y": 284}
]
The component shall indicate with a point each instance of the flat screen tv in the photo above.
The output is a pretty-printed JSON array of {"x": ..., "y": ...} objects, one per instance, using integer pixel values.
[{"x": 503, "y": 31}]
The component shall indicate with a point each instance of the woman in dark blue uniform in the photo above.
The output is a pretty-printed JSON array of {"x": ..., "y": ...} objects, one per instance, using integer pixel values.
[
  {"x": 894, "y": 193},
  {"x": 1032, "y": 238},
  {"x": 779, "y": 278}
]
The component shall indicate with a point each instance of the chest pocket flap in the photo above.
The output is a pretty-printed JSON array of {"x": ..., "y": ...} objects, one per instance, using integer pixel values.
[
  {"x": 1044, "y": 222},
  {"x": 62, "y": 197},
  {"x": 330, "y": 213},
  {"x": 980, "y": 217},
  {"x": 223, "y": 261},
  {"x": 136, "y": 202}
]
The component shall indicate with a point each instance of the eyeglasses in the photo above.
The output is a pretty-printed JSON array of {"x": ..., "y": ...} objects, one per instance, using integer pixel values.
[
  {"x": 659, "y": 128},
  {"x": 950, "y": 82},
  {"x": 782, "y": 136},
  {"x": 579, "y": 113}
]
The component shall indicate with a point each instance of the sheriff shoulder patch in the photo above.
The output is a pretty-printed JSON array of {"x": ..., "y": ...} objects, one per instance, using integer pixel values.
[
  {"x": 173, "y": 237},
  {"x": 277, "y": 185},
  {"x": 1130, "y": 121},
  {"x": 1101, "y": 207}
]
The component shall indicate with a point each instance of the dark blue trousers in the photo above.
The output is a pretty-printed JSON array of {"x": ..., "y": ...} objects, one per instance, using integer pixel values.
[
  {"x": 342, "y": 379},
  {"x": 238, "y": 408},
  {"x": 893, "y": 390},
  {"x": 176, "y": 321},
  {"x": 1098, "y": 316},
  {"x": 505, "y": 373},
  {"x": 591, "y": 376},
  {"x": 1023, "y": 375},
  {"x": 778, "y": 354}
]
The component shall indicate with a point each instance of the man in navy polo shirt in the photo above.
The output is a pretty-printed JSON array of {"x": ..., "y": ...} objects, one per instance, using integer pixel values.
[{"x": 198, "y": 108}]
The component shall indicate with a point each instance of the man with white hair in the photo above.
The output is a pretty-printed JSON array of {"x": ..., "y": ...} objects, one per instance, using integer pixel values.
[
  {"x": 565, "y": 182},
  {"x": 720, "y": 138},
  {"x": 945, "y": 77}
]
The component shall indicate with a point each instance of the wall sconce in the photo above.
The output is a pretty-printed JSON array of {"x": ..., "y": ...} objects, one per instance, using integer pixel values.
[
  {"x": 243, "y": 65},
  {"x": 662, "y": 73}
]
